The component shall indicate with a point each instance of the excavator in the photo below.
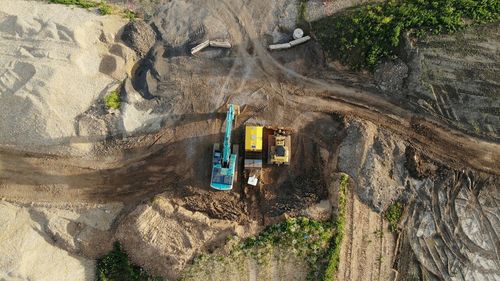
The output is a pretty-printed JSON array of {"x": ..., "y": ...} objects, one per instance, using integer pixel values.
[{"x": 224, "y": 161}]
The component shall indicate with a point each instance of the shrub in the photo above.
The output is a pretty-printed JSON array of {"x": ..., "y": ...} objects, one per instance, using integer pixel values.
[
  {"x": 308, "y": 238},
  {"x": 105, "y": 9},
  {"x": 115, "y": 266},
  {"x": 80, "y": 3},
  {"x": 393, "y": 215},
  {"x": 129, "y": 14},
  {"x": 362, "y": 36},
  {"x": 112, "y": 100},
  {"x": 333, "y": 255}
]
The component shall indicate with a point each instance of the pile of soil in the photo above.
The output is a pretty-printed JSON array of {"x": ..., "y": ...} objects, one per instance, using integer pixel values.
[
  {"x": 71, "y": 235},
  {"x": 163, "y": 237},
  {"x": 56, "y": 63}
]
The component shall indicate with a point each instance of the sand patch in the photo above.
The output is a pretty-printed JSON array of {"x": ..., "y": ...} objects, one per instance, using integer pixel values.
[{"x": 54, "y": 66}]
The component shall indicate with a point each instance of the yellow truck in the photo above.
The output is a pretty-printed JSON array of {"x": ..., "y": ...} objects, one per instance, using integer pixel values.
[
  {"x": 253, "y": 153},
  {"x": 253, "y": 146}
]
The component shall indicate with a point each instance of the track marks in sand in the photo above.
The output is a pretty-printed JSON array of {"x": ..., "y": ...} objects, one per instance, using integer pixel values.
[
  {"x": 368, "y": 248},
  {"x": 34, "y": 28},
  {"x": 14, "y": 76}
]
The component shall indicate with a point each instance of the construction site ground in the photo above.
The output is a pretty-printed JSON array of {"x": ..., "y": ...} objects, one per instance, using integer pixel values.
[{"x": 295, "y": 88}]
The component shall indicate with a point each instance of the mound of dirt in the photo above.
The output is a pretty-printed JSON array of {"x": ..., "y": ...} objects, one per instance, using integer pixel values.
[
  {"x": 163, "y": 237},
  {"x": 139, "y": 36},
  {"x": 182, "y": 22},
  {"x": 317, "y": 9},
  {"x": 46, "y": 242},
  {"x": 56, "y": 62},
  {"x": 390, "y": 75},
  {"x": 376, "y": 160}
]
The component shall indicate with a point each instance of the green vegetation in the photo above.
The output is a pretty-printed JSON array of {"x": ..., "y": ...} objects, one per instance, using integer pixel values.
[
  {"x": 362, "y": 36},
  {"x": 104, "y": 8},
  {"x": 129, "y": 14},
  {"x": 393, "y": 215},
  {"x": 334, "y": 250},
  {"x": 112, "y": 100},
  {"x": 301, "y": 12},
  {"x": 317, "y": 243},
  {"x": 80, "y": 3},
  {"x": 305, "y": 237},
  {"x": 115, "y": 266}
]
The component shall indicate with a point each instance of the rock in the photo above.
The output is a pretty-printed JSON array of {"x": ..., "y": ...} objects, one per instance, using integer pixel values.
[
  {"x": 113, "y": 66},
  {"x": 287, "y": 16},
  {"x": 317, "y": 9},
  {"x": 139, "y": 36},
  {"x": 321, "y": 211},
  {"x": 390, "y": 75}
]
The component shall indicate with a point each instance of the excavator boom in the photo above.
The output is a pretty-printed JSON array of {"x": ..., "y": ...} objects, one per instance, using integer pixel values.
[{"x": 224, "y": 161}]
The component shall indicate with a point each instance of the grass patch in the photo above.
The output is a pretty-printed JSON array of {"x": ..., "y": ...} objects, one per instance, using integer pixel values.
[
  {"x": 112, "y": 100},
  {"x": 80, "y": 3},
  {"x": 103, "y": 7},
  {"x": 363, "y": 36},
  {"x": 307, "y": 238},
  {"x": 333, "y": 255},
  {"x": 301, "y": 12},
  {"x": 115, "y": 266},
  {"x": 129, "y": 14},
  {"x": 393, "y": 215}
]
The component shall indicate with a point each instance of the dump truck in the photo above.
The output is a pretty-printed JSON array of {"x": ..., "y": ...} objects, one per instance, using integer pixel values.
[
  {"x": 224, "y": 162},
  {"x": 279, "y": 146},
  {"x": 253, "y": 153}
]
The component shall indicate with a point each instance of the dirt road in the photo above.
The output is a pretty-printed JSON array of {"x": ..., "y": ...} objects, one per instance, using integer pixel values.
[
  {"x": 272, "y": 86},
  {"x": 368, "y": 245}
]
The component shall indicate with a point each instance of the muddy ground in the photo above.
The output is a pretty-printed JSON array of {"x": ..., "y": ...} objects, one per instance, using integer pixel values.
[
  {"x": 185, "y": 98},
  {"x": 456, "y": 77}
]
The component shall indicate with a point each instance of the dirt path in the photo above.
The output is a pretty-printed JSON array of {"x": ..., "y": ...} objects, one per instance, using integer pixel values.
[
  {"x": 433, "y": 136},
  {"x": 368, "y": 247},
  {"x": 179, "y": 153}
]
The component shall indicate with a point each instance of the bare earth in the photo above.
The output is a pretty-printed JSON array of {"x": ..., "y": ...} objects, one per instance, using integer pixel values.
[{"x": 173, "y": 111}]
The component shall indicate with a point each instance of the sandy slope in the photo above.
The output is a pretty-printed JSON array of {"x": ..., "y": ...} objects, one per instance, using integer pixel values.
[{"x": 52, "y": 68}]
